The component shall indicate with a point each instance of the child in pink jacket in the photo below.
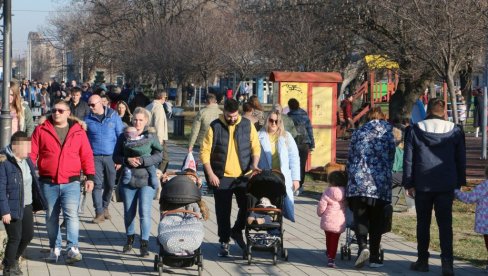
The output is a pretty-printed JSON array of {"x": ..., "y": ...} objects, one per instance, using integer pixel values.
[
  {"x": 478, "y": 195},
  {"x": 332, "y": 210}
]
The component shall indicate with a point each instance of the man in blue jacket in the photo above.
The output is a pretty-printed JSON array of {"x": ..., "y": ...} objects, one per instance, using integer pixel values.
[
  {"x": 434, "y": 165},
  {"x": 103, "y": 128},
  {"x": 304, "y": 138}
]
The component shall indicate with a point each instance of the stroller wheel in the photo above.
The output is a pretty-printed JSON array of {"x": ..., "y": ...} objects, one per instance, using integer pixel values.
[
  {"x": 349, "y": 254},
  {"x": 249, "y": 258},
  {"x": 156, "y": 262},
  {"x": 284, "y": 254},
  {"x": 160, "y": 266},
  {"x": 382, "y": 254},
  {"x": 275, "y": 259},
  {"x": 200, "y": 270},
  {"x": 342, "y": 252}
]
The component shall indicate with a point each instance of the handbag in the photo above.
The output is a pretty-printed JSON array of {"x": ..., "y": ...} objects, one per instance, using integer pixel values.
[{"x": 139, "y": 177}]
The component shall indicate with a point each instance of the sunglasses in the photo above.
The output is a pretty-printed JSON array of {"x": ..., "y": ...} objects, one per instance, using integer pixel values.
[
  {"x": 93, "y": 104},
  {"x": 84, "y": 86},
  {"x": 271, "y": 121},
  {"x": 58, "y": 110}
]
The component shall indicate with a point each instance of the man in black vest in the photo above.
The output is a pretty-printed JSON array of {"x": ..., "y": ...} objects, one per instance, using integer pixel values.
[{"x": 230, "y": 149}]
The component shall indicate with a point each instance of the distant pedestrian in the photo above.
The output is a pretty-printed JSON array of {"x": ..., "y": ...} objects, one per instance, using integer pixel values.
[
  {"x": 20, "y": 112},
  {"x": 159, "y": 121},
  {"x": 257, "y": 111},
  {"x": 346, "y": 106},
  {"x": 434, "y": 166},
  {"x": 332, "y": 212},
  {"x": 202, "y": 121},
  {"x": 20, "y": 196},
  {"x": 124, "y": 113},
  {"x": 304, "y": 138},
  {"x": 478, "y": 195},
  {"x": 79, "y": 108},
  {"x": 61, "y": 150}
]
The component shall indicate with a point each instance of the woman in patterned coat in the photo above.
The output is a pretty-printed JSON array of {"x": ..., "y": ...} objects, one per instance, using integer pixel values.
[{"x": 371, "y": 155}]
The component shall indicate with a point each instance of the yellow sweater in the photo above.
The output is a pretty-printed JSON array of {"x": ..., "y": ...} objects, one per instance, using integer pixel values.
[{"x": 232, "y": 167}]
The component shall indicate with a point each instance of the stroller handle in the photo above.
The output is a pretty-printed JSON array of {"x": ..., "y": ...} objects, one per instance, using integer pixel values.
[
  {"x": 181, "y": 173},
  {"x": 164, "y": 213},
  {"x": 265, "y": 210}
]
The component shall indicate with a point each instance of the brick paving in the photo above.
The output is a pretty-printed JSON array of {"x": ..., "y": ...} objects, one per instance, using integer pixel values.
[{"x": 101, "y": 245}]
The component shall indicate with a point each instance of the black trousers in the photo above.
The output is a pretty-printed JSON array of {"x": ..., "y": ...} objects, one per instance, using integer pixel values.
[
  {"x": 303, "y": 151},
  {"x": 19, "y": 233},
  {"x": 163, "y": 166},
  {"x": 368, "y": 219},
  {"x": 223, "y": 207},
  {"x": 441, "y": 202}
]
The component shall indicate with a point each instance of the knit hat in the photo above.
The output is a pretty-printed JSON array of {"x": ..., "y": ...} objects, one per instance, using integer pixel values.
[{"x": 264, "y": 202}]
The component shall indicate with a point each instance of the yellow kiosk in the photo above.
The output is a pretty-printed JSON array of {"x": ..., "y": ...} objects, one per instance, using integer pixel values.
[{"x": 317, "y": 94}]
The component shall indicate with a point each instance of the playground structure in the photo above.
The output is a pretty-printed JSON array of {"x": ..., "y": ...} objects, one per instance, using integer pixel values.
[
  {"x": 317, "y": 94},
  {"x": 380, "y": 84}
]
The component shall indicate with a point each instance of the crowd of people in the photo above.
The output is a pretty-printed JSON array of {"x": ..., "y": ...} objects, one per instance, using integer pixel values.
[{"x": 97, "y": 140}]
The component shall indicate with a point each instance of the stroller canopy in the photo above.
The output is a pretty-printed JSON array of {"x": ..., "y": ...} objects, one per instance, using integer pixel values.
[
  {"x": 268, "y": 183},
  {"x": 180, "y": 190}
]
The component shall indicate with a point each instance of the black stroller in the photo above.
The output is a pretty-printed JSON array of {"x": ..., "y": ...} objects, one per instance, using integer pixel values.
[
  {"x": 267, "y": 236},
  {"x": 178, "y": 192}
]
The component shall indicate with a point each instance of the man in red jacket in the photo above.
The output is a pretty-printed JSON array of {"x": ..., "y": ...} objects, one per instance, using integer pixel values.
[{"x": 61, "y": 150}]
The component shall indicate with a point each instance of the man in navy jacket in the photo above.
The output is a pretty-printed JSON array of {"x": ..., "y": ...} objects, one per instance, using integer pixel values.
[
  {"x": 103, "y": 128},
  {"x": 434, "y": 166}
]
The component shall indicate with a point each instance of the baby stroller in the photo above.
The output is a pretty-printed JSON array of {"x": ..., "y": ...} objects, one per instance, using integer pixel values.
[
  {"x": 267, "y": 234},
  {"x": 350, "y": 237},
  {"x": 180, "y": 231}
]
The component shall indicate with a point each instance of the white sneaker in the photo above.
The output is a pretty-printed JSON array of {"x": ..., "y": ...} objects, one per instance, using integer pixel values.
[
  {"x": 74, "y": 255},
  {"x": 54, "y": 254},
  {"x": 362, "y": 258}
]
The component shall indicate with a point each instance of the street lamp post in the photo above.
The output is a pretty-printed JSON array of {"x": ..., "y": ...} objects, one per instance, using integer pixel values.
[{"x": 5, "y": 118}]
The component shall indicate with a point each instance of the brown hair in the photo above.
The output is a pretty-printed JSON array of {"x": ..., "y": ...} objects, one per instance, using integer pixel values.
[
  {"x": 398, "y": 136},
  {"x": 254, "y": 101},
  {"x": 337, "y": 179},
  {"x": 436, "y": 106},
  {"x": 16, "y": 101},
  {"x": 375, "y": 114}
]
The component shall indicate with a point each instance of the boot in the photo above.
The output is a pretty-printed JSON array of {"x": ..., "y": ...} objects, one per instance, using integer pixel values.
[
  {"x": 13, "y": 270},
  {"x": 447, "y": 267},
  {"x": 128, "y": 245},
  {"x": 421, "y": 265},
  {"x": 99, "y": 219},
  {"x": 144, "y": 248}
]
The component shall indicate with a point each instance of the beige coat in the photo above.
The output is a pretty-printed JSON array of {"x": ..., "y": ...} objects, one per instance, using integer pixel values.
[
  {"x": 158, "y": 120},
  {"x": 201, "y": 123}
]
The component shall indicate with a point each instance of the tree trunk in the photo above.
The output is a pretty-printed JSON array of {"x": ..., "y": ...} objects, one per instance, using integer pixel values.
[
  {"x": 452, "y": 94},
  {"x": 402, "y": 101},
  {"x": 179, "y": 92}
]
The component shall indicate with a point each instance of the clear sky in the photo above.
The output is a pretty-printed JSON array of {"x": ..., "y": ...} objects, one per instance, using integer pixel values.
[{"x": 29, "y": 16}]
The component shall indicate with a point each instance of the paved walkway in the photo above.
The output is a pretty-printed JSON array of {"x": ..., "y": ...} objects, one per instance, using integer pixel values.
[{"x": 101, "y": 246}]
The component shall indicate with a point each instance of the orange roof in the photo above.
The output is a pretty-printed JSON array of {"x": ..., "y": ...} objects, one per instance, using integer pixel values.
[{"x": 306, "y": 76}]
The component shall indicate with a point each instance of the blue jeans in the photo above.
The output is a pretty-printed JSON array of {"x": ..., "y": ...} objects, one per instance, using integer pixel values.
[
  {"x": 153, "y": 178},
  {"x": 67, "y": 197},
  {"x": 104, "y": 183},
  {"x": 131, "y": 197}
]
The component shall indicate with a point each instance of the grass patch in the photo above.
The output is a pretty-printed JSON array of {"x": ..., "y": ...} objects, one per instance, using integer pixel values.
[{"x": 468, "y": 245}]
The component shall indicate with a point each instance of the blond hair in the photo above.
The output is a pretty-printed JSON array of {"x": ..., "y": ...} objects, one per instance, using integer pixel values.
[{"x": 281, "y": 128}]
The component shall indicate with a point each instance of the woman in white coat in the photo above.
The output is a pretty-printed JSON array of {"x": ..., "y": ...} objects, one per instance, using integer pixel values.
[{"x": 279, "y": 151}]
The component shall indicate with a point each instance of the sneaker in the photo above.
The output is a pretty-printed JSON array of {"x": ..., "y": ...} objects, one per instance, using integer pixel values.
[
  {"x": 238, "y": 239},
  {"x": 331, "y": 263},
  {"x": 362, "y": 258},
  {"x": 74, "y": 255},
  {"x": 54, "y": 254},
  {"x": 99, "y": 218},
  {"x": 224, "y": 249},
  {"x": 375, "y": 265},
  {"x": 106, "y": 214}
]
